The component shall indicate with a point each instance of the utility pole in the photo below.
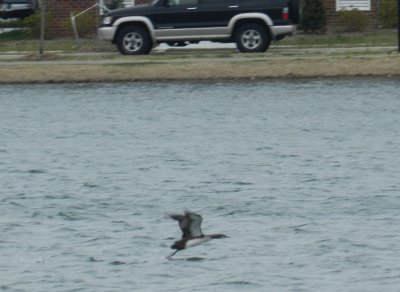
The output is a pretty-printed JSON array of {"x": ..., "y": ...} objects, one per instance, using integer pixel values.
[
  {"x": 398, "y": 24},
  {"x": 42, "y": 26}
]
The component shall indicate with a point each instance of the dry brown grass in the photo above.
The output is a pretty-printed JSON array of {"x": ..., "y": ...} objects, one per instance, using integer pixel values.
[{"x": 44, "y": 72}]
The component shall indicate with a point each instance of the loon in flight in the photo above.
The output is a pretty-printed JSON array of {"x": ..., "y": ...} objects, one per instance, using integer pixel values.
[{"x": 192, "y": 235}]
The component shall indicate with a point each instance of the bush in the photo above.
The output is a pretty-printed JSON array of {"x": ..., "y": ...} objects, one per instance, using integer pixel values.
[
  {"x": 11, "y": 23},
  {"x": 313, "y": 18},
  {"x": 85, "y": 24},
  {"x": 113, "y": 4},
  {"x": 14, "y": 35},
  {"x": 353, "y": 20},
  {"x": 33, "y": 24},
  {"x": 387, "y": 13}
]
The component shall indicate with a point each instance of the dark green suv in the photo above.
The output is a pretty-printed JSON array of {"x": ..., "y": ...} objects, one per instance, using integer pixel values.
[{"x": 251, "y": 24}]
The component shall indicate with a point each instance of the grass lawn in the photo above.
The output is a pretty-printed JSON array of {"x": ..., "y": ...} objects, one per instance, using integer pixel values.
[
  {"x": 223, "y": 69},
  {"x": 17, "y": 41},
  {"x": 372, "y": 38}
]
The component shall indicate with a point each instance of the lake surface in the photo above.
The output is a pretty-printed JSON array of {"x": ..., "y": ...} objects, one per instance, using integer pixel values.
[{"x": 302, "y": 175}]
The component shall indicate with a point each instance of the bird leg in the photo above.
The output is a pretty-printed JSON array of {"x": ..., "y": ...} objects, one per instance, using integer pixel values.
[{"x": 168, "y": 257}]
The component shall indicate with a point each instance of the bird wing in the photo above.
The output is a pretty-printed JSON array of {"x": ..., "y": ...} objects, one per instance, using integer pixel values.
[
  {"x": 184, "y": 224},
  {"x": 195, "y": 224}
]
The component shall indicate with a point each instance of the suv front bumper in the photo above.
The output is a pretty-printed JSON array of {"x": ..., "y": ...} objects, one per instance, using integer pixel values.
[{"x": 106, "y": 33}]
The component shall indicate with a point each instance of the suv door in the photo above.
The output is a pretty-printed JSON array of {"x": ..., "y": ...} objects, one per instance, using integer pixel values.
[
  {"x": 218, "y": 13},
  {"x": 194, "y": 19},
  {"x": 176, "y": 14}
]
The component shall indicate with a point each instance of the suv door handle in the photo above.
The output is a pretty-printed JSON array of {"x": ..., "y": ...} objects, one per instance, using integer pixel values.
[
  {"x": 234, "y": 6},
  {"x": 192, "y": 8}
]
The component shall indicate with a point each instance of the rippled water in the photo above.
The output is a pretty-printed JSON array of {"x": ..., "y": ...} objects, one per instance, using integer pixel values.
[{"x": 303, "y": 176}]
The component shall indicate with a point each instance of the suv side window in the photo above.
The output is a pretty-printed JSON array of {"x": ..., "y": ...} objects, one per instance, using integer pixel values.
[{"x": 181, "y": 2}]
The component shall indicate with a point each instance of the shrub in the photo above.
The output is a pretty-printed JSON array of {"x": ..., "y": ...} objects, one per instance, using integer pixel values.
[
  {"x": 11, "y": 23},
  {"x": 14, "y": 35},
  {"x": 113, "y": 4},
  {"x": 33, "y": 25},
  {"x": 353, "y": 20},
  {"x": 313, "y": 18},
  {"x": 387, "y": 13},
  {"x": 85, "y": 24}
]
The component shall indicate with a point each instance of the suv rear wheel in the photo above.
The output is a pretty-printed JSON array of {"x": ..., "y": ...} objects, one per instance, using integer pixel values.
[
  {"x": 134, "y": 40},
  {"x": 252, "y": 38}
]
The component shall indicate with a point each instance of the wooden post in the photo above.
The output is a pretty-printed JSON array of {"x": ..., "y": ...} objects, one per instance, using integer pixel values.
[
  {"x": 73, "y": 20},
  {"x": 101, "y": 5},
  {"x": 42, "y": 26},
  {"x": 74, "y": 28}
]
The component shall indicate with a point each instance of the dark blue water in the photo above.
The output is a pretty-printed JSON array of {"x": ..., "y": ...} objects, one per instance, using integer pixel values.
[{"x": 303, "y": 176}]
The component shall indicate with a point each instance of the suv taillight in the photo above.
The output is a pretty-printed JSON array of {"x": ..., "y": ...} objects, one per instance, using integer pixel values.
[{"x": 285, "y": 13}]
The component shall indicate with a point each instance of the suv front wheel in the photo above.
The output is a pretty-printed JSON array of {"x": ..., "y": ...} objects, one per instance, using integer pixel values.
[
  {"x": 252, "y": 38},
  {"x": 134, "y": 40}
]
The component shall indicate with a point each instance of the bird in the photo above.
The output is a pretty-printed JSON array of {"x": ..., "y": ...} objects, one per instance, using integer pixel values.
[{"x": 190, "y": 224}]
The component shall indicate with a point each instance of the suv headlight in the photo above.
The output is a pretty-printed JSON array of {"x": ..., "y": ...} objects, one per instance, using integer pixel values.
[{"x": 107, "y": 20}]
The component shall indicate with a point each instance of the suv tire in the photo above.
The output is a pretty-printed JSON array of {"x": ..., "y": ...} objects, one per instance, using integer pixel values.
[
  {"x": 134, "y": 40},
  {"x": 252, "y": 38}
]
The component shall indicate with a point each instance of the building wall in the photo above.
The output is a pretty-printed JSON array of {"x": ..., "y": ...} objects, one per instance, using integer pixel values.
[
  {"x": 332, "y": 13},
  {"x": 59, "y": 12}
]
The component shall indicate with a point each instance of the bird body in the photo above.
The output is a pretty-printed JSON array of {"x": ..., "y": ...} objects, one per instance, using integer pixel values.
[
  {"x": 192, "y": 235},
  {"x": 197, "y": 241}
]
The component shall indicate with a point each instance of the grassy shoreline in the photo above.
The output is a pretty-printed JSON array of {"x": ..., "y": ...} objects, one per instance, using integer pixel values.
[{"x": 203, "y": 70}]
